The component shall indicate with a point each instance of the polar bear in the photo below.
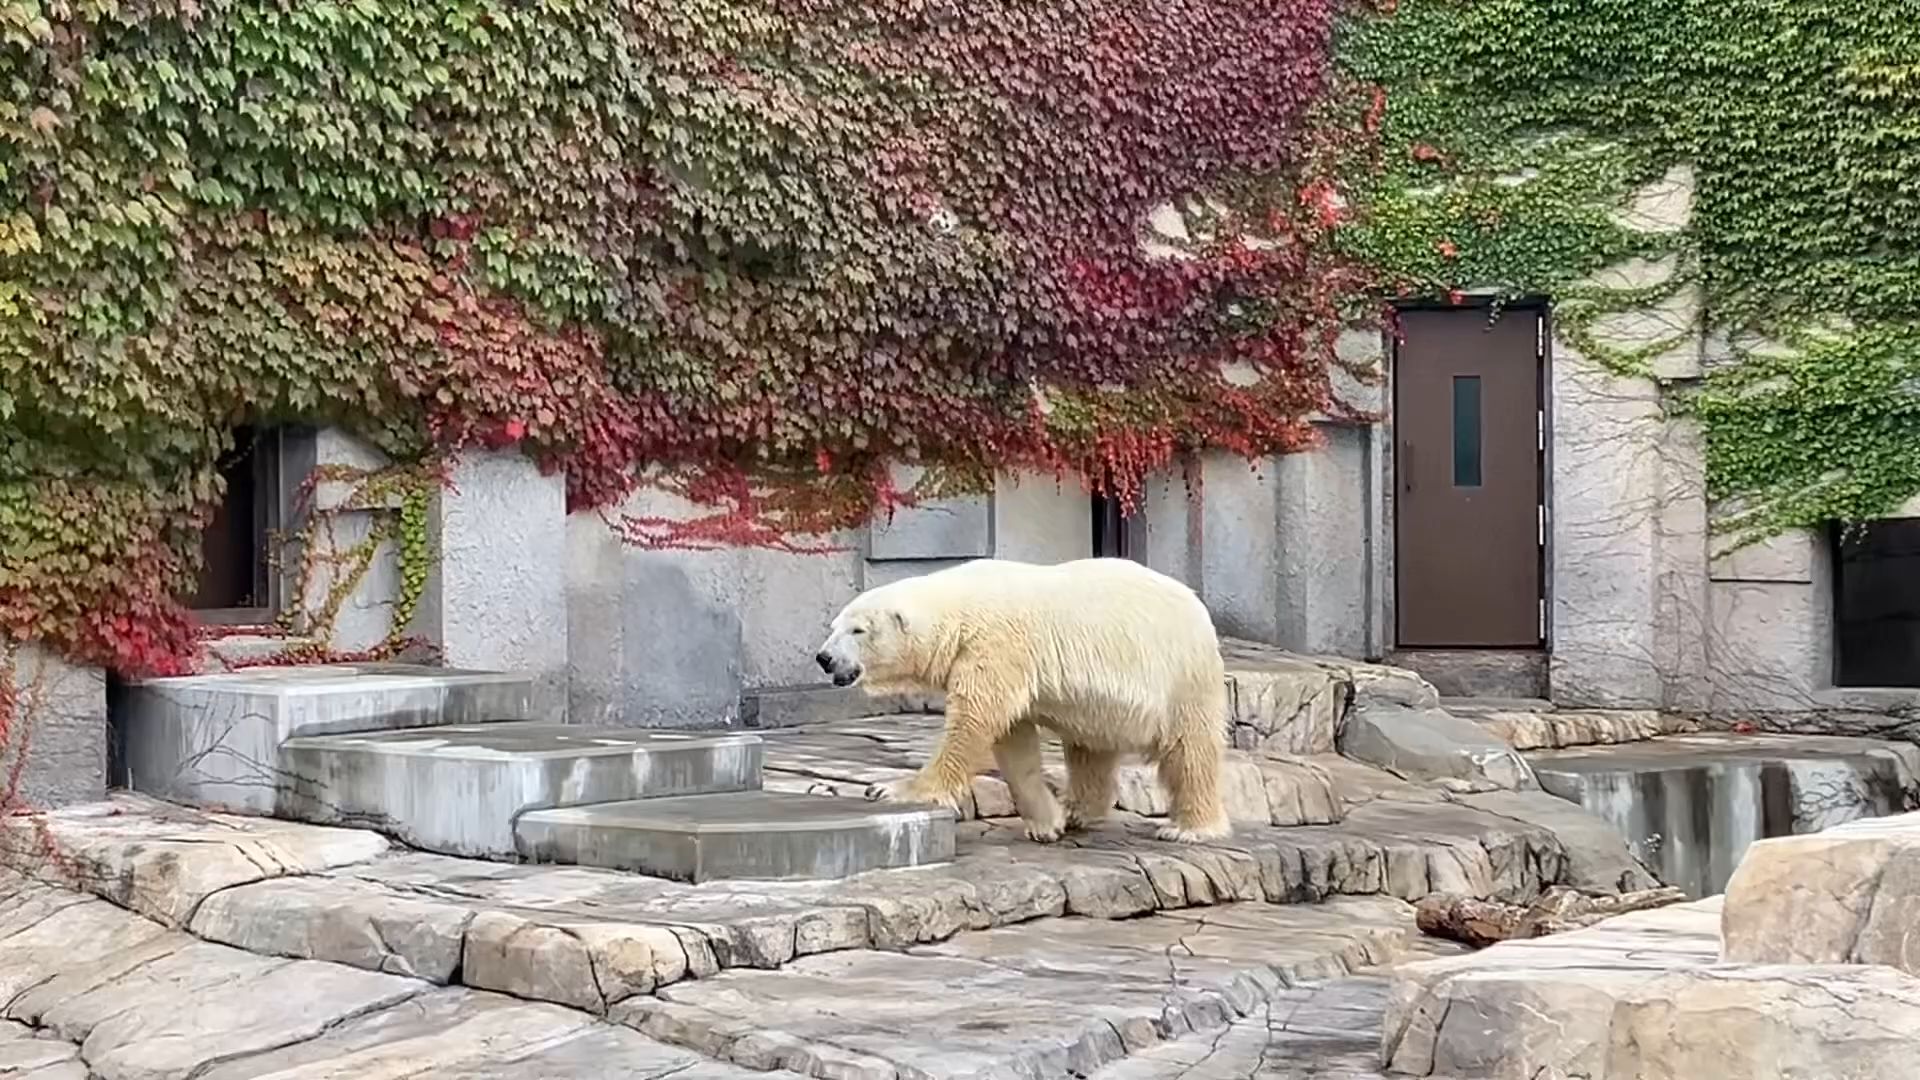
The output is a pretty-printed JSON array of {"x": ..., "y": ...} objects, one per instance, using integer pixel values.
[{"x": 1114, "y": 658}]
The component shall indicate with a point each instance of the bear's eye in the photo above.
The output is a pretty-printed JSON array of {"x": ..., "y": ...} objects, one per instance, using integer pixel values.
[{"x": 858, "y": 630}]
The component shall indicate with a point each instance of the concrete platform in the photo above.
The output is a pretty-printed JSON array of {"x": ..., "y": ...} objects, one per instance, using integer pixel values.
[
  {"x": 213, "y": 740},
  {"x": 457, "y": 789},
  {"x": 1689, "y": 805},
  {"x": 762, "y": 835}
]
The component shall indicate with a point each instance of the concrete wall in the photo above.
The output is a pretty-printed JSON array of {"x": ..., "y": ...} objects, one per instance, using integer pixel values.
[
  {"x": 1285, "y": 550},
  {"x": 674, "y": 638},
  {"x": 497, "y": 596},
  {"x": 1650, "y": 606},
  {"x": 60, "y": 724}
]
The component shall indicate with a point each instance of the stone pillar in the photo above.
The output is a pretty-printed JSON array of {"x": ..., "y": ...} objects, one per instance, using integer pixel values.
[
  {"x": 1769, "y": 633},
  {"x": 338, "y": 525},
  {"x": 497, "y": 597},
  {"x": 60, "y": 723},
  {"x": 1240, "y": 552},
  {"x": 1628, "y": 608},
  {"x": 1324, "y": 556},
  {"x": 1167, "y": 532}
]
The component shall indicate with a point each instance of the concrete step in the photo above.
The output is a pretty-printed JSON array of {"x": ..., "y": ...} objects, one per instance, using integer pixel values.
[
  {"x": 761, "y": 835},
  {"x": 213, "y": 739},
  {"x": 458, "y": 789}
]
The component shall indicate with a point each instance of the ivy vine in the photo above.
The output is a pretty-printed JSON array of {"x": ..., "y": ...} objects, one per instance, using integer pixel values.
[
  {"x": 1516, "y": 130},
  {"x": 762, "y": 248}
]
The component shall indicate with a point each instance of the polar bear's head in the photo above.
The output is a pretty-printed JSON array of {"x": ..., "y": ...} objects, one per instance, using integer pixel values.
[{"x": 870, "y": 640}]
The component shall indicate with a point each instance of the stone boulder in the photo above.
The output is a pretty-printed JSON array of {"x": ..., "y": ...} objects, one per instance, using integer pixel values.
[
  {"x": 1432, "y": 745},
  {"x": 1642, "y": 997},
  {"x": 1862, "y": 1023},
  {"x": 1848, "y": 895}
]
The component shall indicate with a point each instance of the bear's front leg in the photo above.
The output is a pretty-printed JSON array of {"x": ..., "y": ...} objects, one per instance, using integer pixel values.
[
  {"x": 976, "y": 721},
  {"x": 1018, "y": 754}
]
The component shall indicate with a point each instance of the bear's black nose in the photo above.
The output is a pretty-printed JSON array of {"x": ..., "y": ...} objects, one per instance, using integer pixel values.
[{"x": 825, "y": 661}]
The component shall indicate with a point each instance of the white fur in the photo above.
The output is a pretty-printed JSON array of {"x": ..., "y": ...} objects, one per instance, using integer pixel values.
[{"x": 1114, "y": 658}]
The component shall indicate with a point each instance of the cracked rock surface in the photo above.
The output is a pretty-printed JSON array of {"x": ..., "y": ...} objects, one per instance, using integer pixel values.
[
  {"x": 590, "y": 939},
  {"x": 90, "y": 990},
  {"x": 1646, "y": 996}
]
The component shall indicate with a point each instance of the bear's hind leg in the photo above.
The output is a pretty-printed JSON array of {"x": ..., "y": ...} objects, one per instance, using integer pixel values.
[
  {"x": 1018, "y": 753},
  {"x": 1189, "y": 767},
  {"x": 1090, "y": 785}
]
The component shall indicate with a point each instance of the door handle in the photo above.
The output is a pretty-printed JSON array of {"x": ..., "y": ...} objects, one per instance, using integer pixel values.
[{"x": 1405, "y": 466}]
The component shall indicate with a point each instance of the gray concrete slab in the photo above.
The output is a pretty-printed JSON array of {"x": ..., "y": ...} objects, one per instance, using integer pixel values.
[
  {"x": 457, "y": 789},
  {"x": 761, "y": 835},
  {"x": 213, "y": 740},
  {"x": 1690, "y": 805}
]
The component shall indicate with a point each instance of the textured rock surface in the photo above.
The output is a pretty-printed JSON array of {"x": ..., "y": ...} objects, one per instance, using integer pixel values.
[
  {"x": 90, "y": 991},
  {"x": 162, "y": 860},
  {"x": 29, "y": 1055},
  {"x": 1323, "y": 1031},
  {"x": 1047, "y": 1000},
  {"x": 1849, "y": 895},
  {"x": 1291, "y": 704},
  {"x": 1642, "y": 996},
  {"x": 96, "y": 991},
  {"x": 1552, "y": 729},
  {"x": 590, "y": 938},
  {"x": 1597, "y": 859},
  {"x": 1431, "y": 744}
]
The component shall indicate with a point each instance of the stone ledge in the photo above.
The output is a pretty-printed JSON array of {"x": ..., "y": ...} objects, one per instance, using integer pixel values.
[
  {"x": 847, "y": 759},
  {"x": 94, "y": 991},
  {"x": 1744, "y": 786},
  {"x": 1530, "y": 730},
  {"x": 588, "y": 938},
  {"x": 805, "y": 706},
  {"x": 398, "y": 781},
  {"x": 214, "y": 740},
  {"x": 1054, "y": 1000}
]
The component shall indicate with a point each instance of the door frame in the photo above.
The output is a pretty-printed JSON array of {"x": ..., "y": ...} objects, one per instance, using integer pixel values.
[{"x": 1542, "y": 309}]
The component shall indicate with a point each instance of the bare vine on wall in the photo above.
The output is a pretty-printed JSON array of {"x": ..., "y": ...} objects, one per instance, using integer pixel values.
[{"x": 330, "y": 570}]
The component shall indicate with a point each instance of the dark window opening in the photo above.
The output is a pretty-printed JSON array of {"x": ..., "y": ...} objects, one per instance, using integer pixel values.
[
  {"x": 1109, "y": 528},
  {"x": 1876, "y": 603},
  {"x": 234, "y": 571},
  {"x": 1466, "y": 431}
]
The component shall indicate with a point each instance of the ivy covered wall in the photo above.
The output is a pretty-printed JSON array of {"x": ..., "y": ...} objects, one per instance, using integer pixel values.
[
  {"x": 756, "y": 251},
  {"x": 1514, "y": 127}
]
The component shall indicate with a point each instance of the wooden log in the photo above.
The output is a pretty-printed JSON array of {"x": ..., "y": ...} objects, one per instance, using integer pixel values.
[{"x": 1478, "y": 923}]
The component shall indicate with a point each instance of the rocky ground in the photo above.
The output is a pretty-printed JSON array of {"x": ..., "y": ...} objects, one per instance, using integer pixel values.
[
  {"x": 145, "y": 941},
  {"x": 93, "y": 990},
  {"x": 141, "y": 940}
]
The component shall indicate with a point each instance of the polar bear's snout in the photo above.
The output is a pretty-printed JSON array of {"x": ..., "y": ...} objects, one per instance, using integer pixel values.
[{"x": 840, "y": 659}]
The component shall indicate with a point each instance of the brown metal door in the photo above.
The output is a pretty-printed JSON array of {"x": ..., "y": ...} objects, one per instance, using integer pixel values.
[{"x": 1467, "y": 471}]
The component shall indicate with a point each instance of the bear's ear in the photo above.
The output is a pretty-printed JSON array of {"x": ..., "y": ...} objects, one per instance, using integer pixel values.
[{"x": 899, "y": 620}]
